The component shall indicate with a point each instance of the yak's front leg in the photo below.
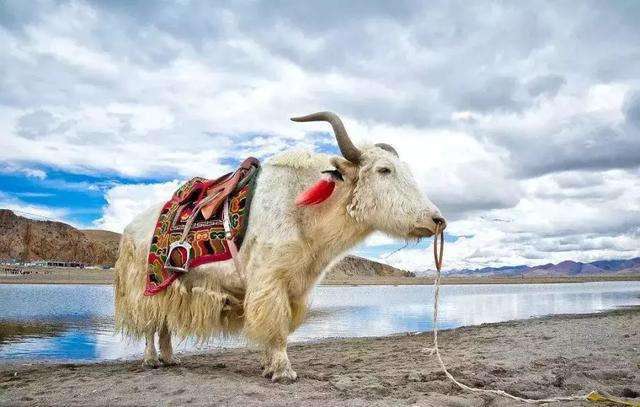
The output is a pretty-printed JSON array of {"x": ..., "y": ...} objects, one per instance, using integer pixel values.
[
  {"x": 280, "y": 368},
  {"x": 267, "y": 322}
]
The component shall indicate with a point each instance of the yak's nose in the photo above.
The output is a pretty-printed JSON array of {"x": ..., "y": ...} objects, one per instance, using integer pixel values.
[
  {"x": 426, "y": 224},
  {"x": 439, "y": 220}
]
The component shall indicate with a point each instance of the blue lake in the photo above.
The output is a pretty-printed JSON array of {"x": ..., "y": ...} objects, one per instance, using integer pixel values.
[{"x": 75, "y": 322}]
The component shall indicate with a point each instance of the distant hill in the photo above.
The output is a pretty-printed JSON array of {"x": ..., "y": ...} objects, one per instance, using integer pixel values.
[
  {"x": 353, "y": 266},
  {"x": 29, "y": 240},
  {"x": 111, "y": 240},
  {"x": 566, "y": 268}
]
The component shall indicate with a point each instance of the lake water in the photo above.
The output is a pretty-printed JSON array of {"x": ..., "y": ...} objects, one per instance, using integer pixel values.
[{"x": 75, "y": 322}]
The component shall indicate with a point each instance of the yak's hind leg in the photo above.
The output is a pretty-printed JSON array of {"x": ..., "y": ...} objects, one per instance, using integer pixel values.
[
  {"x": 150, "y": 354},
  {"x": 166, "y": 350}
]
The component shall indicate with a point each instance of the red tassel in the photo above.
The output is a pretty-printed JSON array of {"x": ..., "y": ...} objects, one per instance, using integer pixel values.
[{"x": 317, "y": 193}]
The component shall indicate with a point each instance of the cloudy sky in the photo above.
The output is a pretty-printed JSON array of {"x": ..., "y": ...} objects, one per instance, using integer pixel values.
[{"x": 520, "y": 120}]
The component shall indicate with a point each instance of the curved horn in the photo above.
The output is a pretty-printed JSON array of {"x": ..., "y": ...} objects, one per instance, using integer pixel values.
[
  {"x": 348, "y": 150},
  {"x": 388, "y": 148}
]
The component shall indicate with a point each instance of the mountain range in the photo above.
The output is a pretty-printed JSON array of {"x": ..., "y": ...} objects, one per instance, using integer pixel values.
[
  {"x": 25, "y": 239},
  {"x": 566, "y": 268}
]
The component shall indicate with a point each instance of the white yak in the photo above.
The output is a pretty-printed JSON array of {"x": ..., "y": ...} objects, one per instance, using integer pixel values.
[{"x": 286, "y": 250}]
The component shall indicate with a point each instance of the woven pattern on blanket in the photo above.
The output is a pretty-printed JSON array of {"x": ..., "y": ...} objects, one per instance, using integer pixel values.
[{"x": 206, "y": 236}]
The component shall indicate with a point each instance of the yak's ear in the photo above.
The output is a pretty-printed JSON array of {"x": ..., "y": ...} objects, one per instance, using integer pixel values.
[{"x": 345, "y": 167}]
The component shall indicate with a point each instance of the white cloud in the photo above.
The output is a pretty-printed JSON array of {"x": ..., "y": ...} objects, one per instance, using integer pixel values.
[
  {"x": 32, "y": 211},
  {"x": 607, "y": 98},
  {"x": 143, "y": 119},
  {"x": 379, "y": 239},
  {"x": 124, "y": 202},
  {"x": 458, "y": 172},
  {"x": 583, "y": 222},
  {"x": 10, "y": 168},
  {"x": 504, "y": 112}
]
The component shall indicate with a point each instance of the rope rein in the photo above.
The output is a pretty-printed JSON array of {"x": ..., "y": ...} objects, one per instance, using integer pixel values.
[{"x": 437, "y": 255}]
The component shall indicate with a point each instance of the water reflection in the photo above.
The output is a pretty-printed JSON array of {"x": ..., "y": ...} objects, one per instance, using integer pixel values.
[
  {"x": 75, "y": 322},
  {"x": 11, "y": 331}
]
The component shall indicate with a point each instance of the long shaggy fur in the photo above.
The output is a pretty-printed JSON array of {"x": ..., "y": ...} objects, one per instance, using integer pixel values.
[{"x": 202, "y": 310}]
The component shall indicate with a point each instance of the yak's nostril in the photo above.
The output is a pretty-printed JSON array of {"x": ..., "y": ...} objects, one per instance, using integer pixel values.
[{"x": 439, "y": 220}]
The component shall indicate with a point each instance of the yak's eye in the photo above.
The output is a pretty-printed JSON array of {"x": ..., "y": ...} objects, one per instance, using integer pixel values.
[{"x": 384, "y": 170}]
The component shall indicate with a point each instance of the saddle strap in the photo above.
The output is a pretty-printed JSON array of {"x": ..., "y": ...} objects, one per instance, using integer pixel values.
[
  {"x": 233, "y": 249},
  {"x": 225, "y": 188}
]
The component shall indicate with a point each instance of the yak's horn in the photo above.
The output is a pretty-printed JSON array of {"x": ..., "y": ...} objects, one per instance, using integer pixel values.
[
  {"x": 388, "y": 148},
  {"x": 348, "y": 150}
]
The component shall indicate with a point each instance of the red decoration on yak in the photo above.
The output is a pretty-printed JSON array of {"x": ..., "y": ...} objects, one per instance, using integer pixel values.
[{"x": 317, "y": 193}]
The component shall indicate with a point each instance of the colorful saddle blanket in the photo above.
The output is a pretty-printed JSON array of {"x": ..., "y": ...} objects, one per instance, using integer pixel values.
[{"x": 199, "y": 206}]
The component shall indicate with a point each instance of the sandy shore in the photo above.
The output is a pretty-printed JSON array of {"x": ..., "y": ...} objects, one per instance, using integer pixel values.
[
  {"x": 561, "y": 355},
  {"x": 94, "y": 276},
  {"x": 58, "y": 276}
]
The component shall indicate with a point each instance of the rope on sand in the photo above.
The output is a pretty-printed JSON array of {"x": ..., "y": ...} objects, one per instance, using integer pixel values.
[{"x": 593, "y": 396}]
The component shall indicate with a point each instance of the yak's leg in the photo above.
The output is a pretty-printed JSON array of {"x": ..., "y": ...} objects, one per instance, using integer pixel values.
[
  {"x": 267, "y": 321},
  {"x": 265, "y": 359},
  {"x": 150, "y": 354},
  {"x": 166, "y": 350},
  {"x": 280, "y": 368},
  {"x": 298, "y": 313}
]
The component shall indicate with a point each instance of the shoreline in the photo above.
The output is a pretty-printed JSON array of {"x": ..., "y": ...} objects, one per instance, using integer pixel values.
[
  {"x": 556, "y": 356},
  {"x": 105, "y": 277}
]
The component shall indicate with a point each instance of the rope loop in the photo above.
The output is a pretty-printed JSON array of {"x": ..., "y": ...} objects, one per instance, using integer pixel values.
[{"x": 437, "y": 256}]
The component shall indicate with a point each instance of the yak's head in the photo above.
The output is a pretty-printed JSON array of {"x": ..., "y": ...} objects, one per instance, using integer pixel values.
[{"x": 384, "y": 195}]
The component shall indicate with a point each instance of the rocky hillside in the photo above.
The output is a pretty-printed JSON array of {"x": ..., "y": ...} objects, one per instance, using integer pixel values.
[
  {"x": 111, "y": 240},
  {"x": 28, "y": 240},
  {"x": 357, "y": 267}
]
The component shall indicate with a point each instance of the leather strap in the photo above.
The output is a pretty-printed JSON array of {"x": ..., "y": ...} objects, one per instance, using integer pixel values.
[
  {"x": 229, "y": 236},
  {"x": 224, "y": 188}
]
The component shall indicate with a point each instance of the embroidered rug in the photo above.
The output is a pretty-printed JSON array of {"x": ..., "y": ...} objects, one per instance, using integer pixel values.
[{"x": 206, "y": 235}]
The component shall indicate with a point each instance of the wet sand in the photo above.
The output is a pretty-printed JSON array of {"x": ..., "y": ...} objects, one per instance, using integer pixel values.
[
  {"x": 96, "y": 276},
  {"x": 537, "y": 358}
]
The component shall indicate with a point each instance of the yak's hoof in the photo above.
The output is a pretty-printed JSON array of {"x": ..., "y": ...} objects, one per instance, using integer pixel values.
[
  {"x": 287, "y": 376},
  {"x": 152, "y": 363},
  {"x": 264, "y": 363},
  {"x": 172, "y": 361},
  {"x": 267, "y": 372}
]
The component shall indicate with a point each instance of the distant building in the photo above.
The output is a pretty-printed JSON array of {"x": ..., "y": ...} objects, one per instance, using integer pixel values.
[
  {"x": 65, "y": 264},
  {"x": 42, "y": 263}
]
